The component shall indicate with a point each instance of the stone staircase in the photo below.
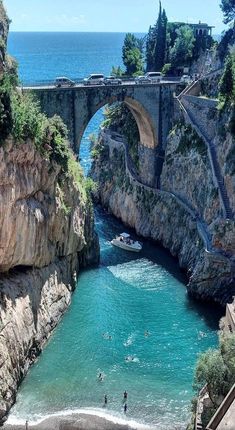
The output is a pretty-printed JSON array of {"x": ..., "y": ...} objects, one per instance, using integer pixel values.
[
  {"x": 131, "y": 171},
  {"x": 217, "y": 175}
]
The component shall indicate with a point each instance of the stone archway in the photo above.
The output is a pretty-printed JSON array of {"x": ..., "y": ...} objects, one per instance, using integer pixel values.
[
  {"x": 147, "y": 135},
  {"x": 143, "y": 120}
]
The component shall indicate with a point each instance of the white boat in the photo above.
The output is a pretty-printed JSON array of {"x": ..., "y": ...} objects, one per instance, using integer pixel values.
[{"x": 124, "y": 241}]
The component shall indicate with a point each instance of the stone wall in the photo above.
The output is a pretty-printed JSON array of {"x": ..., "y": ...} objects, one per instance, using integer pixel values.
[
  {"x": 203, "y": 112},
  {"x": 187, "y": 172}
]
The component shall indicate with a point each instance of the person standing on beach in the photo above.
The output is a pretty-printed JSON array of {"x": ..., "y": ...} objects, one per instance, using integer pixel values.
[
  {"x": 26, "y": 425},
  {"x": 105, "y": 399},
  {"x": 125, "y": 408}
]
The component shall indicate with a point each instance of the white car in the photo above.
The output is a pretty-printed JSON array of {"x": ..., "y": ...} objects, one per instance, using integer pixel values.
[
  {"x": 149, "y": 77},
  {"x": 186, "y": 79},
  {"x": 64, "y": 82},
  {"x": 112, "y": 80},
  {"x": 154, "y": 76},
  {"x": 142, "y": 80},
  {"x": 94, "y": 79}
]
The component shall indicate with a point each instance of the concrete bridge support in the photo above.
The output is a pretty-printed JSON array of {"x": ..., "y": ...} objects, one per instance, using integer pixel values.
[{"x": 151, "y": 106}]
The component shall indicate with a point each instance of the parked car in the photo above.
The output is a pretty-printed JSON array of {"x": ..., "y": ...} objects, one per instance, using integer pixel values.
[
  {"x": 112, "y": 80},
  {"x": 186, "y": 79},
  {"x": 64, "y": 82},
  {"x": 94, "y": 79},
  {"x": 149, "y": 77},
  {"x": 142, "y": 80},
  {"x": 154, "y": 76}
]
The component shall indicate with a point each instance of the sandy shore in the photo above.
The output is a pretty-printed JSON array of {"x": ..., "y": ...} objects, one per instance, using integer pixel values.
[{"x": 79, "y": 421}]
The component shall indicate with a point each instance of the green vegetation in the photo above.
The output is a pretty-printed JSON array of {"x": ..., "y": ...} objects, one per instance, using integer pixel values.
[
  {"x": 228, "y": 9},
  {"x": 173, "y": 43},
  {"x": 120, "y": 119},
  {"x": 132, "y": 56},
  {"x": 216, "y": 368},
  {"x": 182, "y": 51},
  {"x": 227, "y": 94},
  {"x": 227, "y": 82},
  {"x": 156, "y": 43},
  {"x": 21, "y": 118},
  {"x": 189, "y": 140}
]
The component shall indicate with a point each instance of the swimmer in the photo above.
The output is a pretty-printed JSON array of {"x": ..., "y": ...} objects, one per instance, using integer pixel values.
[
  {"x": 129, "y": 358},
  {"x": 146, "y": 333},
  {"x": 105, "y": 399},
  {"x": 125, "y": 408},
  {"x": 125, "y": 394},
  {"x": 100, "y": 377}
]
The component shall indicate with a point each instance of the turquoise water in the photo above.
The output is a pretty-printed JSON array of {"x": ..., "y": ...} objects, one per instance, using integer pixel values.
[
  {"x": 127, "y": 295},
  {"x": 122, "y": 298}
]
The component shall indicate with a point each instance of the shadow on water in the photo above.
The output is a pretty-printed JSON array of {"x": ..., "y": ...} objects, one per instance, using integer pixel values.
[{"x": 211, "y": 313}]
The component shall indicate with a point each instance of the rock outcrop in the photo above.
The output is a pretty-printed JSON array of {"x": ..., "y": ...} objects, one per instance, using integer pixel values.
[
  {"x": 46, "y": 234},
  {"x": 184, "y": 215}
]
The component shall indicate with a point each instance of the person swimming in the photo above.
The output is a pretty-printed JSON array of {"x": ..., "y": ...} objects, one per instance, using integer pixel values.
[
  {"x": 129, "y": 358},
  {"x": 100, "y": 377}
]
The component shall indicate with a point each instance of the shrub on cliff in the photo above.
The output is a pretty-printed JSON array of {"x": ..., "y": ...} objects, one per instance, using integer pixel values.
[
  {"x": 6, "y": 120},
  {"x": 216, "y": 368},
  {"x": 226, "y": 85},
  {"x": 49, "y": 135}
]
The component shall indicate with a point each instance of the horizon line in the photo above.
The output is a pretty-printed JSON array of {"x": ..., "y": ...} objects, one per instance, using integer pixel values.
[{"x": 86, "y": 31}]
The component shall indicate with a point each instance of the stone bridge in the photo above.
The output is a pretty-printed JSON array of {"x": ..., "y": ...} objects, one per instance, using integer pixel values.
[{"x": 152, "y": 106}]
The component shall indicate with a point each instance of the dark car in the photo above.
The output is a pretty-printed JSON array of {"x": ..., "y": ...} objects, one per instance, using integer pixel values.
[{"x": 64, "y": 82}]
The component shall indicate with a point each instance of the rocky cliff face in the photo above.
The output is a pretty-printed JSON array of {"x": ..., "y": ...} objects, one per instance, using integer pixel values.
[
  {"x": 46, "y": 234},
  {"x": 175, "y": 215}
]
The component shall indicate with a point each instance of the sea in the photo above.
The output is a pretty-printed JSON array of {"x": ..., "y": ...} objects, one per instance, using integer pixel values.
[{"x": 131, "y": 318}]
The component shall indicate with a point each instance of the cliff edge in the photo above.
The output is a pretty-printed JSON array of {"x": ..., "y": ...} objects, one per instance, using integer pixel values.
[{"x": 46, "y": 227}]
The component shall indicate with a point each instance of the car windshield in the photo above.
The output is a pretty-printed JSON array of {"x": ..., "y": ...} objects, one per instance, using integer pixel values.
[{"x": 96, "y": 76}]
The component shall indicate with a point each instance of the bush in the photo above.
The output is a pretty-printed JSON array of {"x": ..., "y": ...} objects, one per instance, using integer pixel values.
[
  {"x": 6, "y": 121},
  {"x": 216, "y": 368},
  {"x": 226, "y": 84}
]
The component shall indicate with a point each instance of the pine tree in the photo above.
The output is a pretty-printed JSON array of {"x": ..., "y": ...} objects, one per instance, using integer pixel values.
[
  {"x": 159, "y": 35},
  {"x": 157, "y": 54},
  {"x": 150, "y": 42},
  {"x": 131, "y": 55},
  {"x": 228, "y": 9}
]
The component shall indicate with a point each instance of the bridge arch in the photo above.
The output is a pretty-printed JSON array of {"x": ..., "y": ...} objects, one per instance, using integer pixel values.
[{"x": 148, "y": 137}]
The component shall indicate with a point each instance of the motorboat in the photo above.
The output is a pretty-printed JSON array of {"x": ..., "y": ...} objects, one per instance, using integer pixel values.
[{"x": 124, "y": 241}]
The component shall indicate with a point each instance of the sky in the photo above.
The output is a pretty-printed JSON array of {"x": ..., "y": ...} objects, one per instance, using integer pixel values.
[{"x": 107, "y": 15}]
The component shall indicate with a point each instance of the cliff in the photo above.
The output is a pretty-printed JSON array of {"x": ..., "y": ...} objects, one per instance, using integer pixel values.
[
  {"x": 184, "y": 215},
  {"x": 46, "y": 227},
  {"x": 46, "y": 233}
]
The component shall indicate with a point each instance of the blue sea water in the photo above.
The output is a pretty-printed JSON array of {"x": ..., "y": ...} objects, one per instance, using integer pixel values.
[{"x": 114, "y": 304}]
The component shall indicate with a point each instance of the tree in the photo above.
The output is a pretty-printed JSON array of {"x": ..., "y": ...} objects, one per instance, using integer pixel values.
[
  {"x": 226, "y": 85},
  {"x": 150, "y": 43},
  {"x": 228, "y": 9},
  {"x": 182, "y": 51},
  {"x": 156, "y": 43},
  {"x": 131, "y": 55},
  {"x": 117, "y": 71},
  {"x": 216, "y": 368}
]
